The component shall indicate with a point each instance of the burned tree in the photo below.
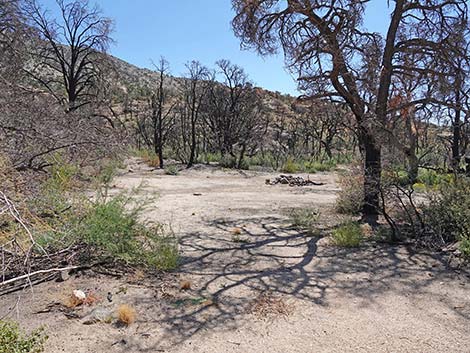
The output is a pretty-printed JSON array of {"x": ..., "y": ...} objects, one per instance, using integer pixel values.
[
  {"x": 67, "y": 56},
  {"x": 234, "y": 114},
  {"x": 157, "y": 121},
  {"x": 194, "y": 89},
  {"x": 335, "y": 57}
]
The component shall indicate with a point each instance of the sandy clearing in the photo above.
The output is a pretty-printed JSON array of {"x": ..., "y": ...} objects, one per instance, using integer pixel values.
[{"x": 376, "y": 298}]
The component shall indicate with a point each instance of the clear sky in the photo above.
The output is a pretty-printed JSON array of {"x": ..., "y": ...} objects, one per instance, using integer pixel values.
[{"x": 184, "y": 30}]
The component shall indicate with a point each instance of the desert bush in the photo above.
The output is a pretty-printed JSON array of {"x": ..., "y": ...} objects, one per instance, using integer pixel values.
[
  {"x": 109, "y": 228},
  {"x": 304, "y": 218},
  {"x": 350, "y": 198},
  {"x": 228, "y": 161},
  {"x": 395, "y": 176},
  {"x": 147, "y": 155},
  {"x": 108, "y": 171},
  {"x": 315, "y": 166},
  {"x": 113, "y": 230},
  {"x": 447, "y": 215},
  {"x": 348, "y": 235},
  {"x": 433, "y": 179},
  {"x": 62, "y": 173},
  {"x": 266, "y": 160},
  {"x": 210, "y": 158},
  {"x": 290, "y": 166},
  {"x": 171, "y": 170},
  {"x": 14, "y": 340}
]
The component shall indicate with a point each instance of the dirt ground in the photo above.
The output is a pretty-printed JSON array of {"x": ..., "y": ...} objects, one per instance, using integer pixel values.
[{"x": 257, "y": 284}]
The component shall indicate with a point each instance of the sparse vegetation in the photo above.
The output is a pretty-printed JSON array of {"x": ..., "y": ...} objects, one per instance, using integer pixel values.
[
  {"x": 147, "y": 156},
  {"x": 112, "y": 230},
  {"x": 14, "y": 340},
  {"x": 171, "y": 170},
  {"x": 348, "y": 235},
  {"x": 386, "y": 109},
  {"x": 447, "y": 216},
  {"x": 305, "y": 218},
  {"x": 350, "y": 198}
]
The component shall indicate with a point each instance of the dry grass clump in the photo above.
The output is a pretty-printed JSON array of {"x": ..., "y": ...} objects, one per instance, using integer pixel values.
[
  {"x": 350, "y": 198},
  {"x": 268, "y": 305},
  {"x": 126, "y": 314},
  {"x": 236, "y": 231},
  {"x": 185, "y": 285}
]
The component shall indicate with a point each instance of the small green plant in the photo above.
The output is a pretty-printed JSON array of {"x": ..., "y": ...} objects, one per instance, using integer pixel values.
[
  {"x": 210, "y": 158},
  {"x": 62, "y": 173},
  {"x": 237, "y": 238},
  {"x": 266, "y": 160},
  {"x": 55, "y": 198},
  {"x": 14, "y": 340},
  {"x": 171, "y": 170},
  {"x": 348, "y": 235},
  {"x": 290, "y": 166},
  {"x": 108, "y": 172},
  {"x": 304, "y": 218}
]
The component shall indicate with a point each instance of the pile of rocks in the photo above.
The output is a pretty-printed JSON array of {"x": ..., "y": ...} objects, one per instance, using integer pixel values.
[{"x": 292, "y": 181}]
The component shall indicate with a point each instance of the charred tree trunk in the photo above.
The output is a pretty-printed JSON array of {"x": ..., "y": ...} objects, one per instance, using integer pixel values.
[
  {"x": 372, "y": 177},
  {"x": 456, "y": 134}
]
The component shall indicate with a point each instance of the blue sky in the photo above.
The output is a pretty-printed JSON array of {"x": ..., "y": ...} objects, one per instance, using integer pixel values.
[{"x": 184, "y": 30}]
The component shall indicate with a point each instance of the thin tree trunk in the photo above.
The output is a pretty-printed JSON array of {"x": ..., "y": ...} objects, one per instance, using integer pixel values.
[{"x": 456, "y": 137}]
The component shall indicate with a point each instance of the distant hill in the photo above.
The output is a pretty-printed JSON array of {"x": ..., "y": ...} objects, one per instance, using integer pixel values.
[{"x": 131, "y": 76}]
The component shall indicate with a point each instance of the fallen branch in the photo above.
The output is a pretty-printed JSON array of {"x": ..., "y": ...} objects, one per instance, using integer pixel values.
[{"x": 28, "y": 275}]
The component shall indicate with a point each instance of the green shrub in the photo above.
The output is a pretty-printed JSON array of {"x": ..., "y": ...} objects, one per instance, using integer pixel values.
[
  {"x": 304, "y": 218},
  {"x": 434, "y": 179},
  {"x": 350, "y": 197},
  {"x": 348, "y": 235},
  {"x": 112, "y": 230},
  {"x": 171, "y": 170},
  {"x": 315, "y": 166},
  {"x": 465, "y": 247},
  {"x": 14, "y": 340},
  {"x": 211, "y": 157},
  {"x": 55, "y": 193},
  {"x": 266, "y": 160},
  {"x": 62, "y": 174},
  {"x": 228, "y": 161},
  {"x": 447, "y": 215},
  {"x": 290, "y": 166},
  {"x": 108, "y": 171}
]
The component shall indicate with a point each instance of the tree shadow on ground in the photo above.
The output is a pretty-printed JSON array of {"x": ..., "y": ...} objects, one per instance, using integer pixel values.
[{"x": 230, "y": 266}]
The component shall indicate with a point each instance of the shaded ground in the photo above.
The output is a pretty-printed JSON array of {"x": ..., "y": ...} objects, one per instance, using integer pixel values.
[{"x": 258, "y": 285}]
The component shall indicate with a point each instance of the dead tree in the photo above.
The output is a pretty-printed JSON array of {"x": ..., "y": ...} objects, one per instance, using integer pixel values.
[
  {"x": 334, "y": 57},
  {"x": 194, "y": 90},
  {"x": 161, "y": 114},
  {"x": 156, "y": 122},
  {"x": 234, "y": 114},
  {"x": 68, "y": 52}
]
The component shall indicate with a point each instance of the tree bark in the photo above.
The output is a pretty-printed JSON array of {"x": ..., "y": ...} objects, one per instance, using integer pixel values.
[{"x": 372, "y": 176}]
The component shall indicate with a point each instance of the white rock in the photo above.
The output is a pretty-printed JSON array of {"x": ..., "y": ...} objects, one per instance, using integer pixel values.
[{"x": 79, "y": 294}]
